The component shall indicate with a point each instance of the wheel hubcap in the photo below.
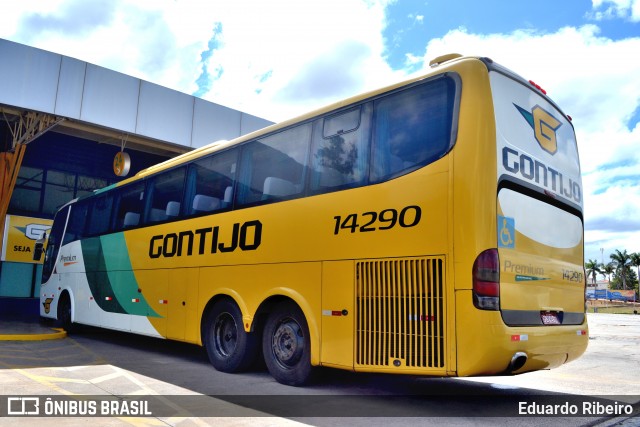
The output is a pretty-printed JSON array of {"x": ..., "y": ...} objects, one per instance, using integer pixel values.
[
  {"x": 288, "y": 343},
  {"x": 225, "y": 334}
]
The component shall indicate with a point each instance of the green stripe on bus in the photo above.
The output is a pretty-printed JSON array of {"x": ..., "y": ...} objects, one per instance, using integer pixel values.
[
  {"x": 111, "y": 279},
  {"x": 123, "y": 281}
]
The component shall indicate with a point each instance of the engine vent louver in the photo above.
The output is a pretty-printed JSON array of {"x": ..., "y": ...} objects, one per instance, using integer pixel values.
[{"x": 400, "y": 313}]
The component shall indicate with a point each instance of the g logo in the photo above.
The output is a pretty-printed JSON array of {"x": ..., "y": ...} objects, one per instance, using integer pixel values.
[
  {"x": 121, "y": 163},
  {"x": 47, "y": 305},
  {"x": 544, "y": 127}
]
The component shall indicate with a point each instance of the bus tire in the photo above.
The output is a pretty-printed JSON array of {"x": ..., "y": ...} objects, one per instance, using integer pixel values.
[
  {"x": 286, "y": 345},
  {"x": 64, "y": 315},
  {"x": 229, "y": 347}
]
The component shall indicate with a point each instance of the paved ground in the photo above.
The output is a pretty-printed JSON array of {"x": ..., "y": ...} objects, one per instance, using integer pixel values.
[{"x": 112, "y": 364}]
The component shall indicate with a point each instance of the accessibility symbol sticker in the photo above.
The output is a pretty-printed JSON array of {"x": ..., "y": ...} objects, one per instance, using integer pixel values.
[{"x": 506, "y": 232}]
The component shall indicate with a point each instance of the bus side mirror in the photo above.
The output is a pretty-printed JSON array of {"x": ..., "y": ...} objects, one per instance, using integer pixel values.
[{"x": 39, "y": 248}]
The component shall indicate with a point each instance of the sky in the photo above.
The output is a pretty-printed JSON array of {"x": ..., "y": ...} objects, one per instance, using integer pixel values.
[{"x": 280, "y": 58}]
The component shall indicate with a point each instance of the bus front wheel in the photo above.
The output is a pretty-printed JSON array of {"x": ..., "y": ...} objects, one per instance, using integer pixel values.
[
  {"x": 64, "y": 313},
  {"x": 286, "y": 345},
  {"x": 229, "y": 347}
]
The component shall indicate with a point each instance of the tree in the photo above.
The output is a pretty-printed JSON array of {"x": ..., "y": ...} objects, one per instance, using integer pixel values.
[
  {"x": 635, "y": 261},
  {"x": 608, "y": 270},
  {"x": 629, "y": 278},
  {"x": 622, "y": 261},
  {"x": 593, "y": 268}
]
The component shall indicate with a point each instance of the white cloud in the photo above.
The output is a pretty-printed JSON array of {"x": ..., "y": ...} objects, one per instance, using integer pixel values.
[
  {"x": 611, "y": 9},
  {"x": 157, "y": 41},
  {"x": 301, "y": 56},
  {"x": 417, "y": 19},
  {"x": 281, "y": 58},
  {"x": 612, "y": 204}
]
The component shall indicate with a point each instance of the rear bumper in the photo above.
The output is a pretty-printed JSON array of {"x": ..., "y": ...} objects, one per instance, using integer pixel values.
[{"x": 486, "y": 346}]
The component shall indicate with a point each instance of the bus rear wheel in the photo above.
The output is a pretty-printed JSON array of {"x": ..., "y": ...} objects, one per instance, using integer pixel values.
[
  {"x": 286, "y": 345},
  {"x": 229, "y": 347}
]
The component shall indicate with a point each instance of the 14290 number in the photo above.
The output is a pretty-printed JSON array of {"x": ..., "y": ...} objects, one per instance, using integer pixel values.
[{"x": 384, "y": 220}]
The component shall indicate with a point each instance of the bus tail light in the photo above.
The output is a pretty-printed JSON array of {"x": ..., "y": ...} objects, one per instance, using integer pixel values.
[{"x": 486, "y": 280}]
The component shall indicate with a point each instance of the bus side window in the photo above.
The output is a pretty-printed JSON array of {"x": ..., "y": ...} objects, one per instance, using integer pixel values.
[
  {"x": 210, "y": 183},
  {"x": 274, "y": 167},
  {"x": 77, "y": 222},
  {"x": 130, "y": 206},
  {"x": 100, "y": 215},
  {"x": 340, "y": 150},
  {"x": 165, "y": 191},
  {"x": 412, "y": 128}
]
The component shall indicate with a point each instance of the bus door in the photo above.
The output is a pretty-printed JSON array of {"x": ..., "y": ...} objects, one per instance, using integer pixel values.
[
  {"x": 539, "y": 208},
  {"x": 51, "y": 255}
]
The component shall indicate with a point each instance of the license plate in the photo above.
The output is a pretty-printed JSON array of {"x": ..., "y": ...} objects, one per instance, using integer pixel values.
[{"x": 549, "y": 318}]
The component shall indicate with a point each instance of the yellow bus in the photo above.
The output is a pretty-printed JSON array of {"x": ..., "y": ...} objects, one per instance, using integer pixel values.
[{"x": 432, "y": 227}]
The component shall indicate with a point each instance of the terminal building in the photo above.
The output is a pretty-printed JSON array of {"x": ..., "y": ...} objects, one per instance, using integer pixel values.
[{"x": 65, "y": 128}]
